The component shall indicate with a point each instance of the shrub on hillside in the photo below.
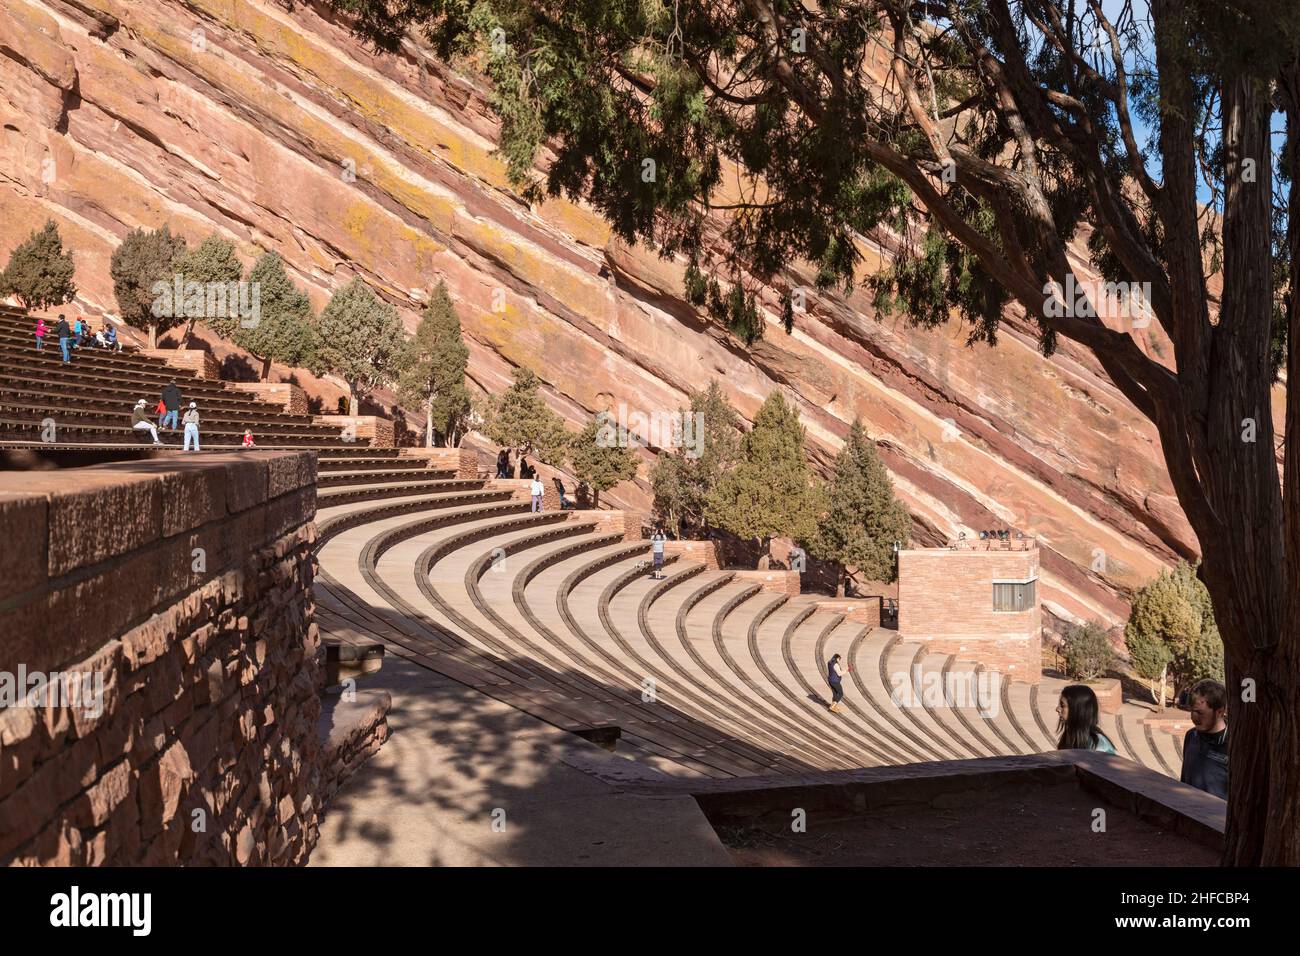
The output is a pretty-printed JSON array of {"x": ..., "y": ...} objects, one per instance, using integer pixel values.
[{"x": 1086, "y": 652}]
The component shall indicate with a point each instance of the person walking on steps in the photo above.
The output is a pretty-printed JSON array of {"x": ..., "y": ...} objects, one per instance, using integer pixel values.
[
  {"x": 40, "y": 335},
  {"x": 657, "y": 553},
  {"x": 141, "y": 421},
  {"x": 78, "y": 332},
  {"x": 537, "y": 489},
  {"x": 191, "y": 420},
  {"x": 63, "y": 333},
  {"x": 171, "y": 401},
  {"x": 835, "y": 672}
]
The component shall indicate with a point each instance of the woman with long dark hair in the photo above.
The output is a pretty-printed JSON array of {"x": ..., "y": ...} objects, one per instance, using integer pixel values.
[{"x": 1077, "y": 728}]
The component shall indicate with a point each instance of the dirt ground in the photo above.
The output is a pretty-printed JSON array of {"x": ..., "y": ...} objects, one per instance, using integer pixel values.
[{"x": 1037, "y": 826}]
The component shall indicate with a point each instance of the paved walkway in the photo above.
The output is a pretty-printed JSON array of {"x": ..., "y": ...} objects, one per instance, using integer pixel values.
[{"x": 454, "y": 756}]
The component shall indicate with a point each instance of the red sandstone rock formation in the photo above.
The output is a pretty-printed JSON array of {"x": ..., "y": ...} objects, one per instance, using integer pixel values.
[{"x": 276, "y": 129}]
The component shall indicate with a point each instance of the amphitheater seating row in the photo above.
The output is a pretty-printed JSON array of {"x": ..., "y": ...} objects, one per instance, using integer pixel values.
[{"x": 703, "y": 674}]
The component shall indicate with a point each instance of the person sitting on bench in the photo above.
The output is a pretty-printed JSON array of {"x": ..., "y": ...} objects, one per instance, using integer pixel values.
[{"x": 141, "y": 421}]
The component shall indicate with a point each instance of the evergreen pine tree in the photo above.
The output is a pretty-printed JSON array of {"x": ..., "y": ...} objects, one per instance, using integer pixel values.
[
  {"x": 40, "y": 272},
  {"x": 142, "y": 271},
  {"x": 707, "y": 447},
  {"x": 434, "y": 380},
  {"x": 361, "y": 340},
  {"x": 600, "y": 457},
  {"x": 1171, "y": 634},
  {"x": 770, "y": 492},
  {"x": 213, "y": 261},
  {"x": 519, "y": 418},
  {"x": 864, "y": 519},
  {"x": 286, "y": 330}
]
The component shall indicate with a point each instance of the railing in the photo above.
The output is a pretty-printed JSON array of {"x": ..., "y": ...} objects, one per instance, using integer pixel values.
[{"x": 994, "y": 541}]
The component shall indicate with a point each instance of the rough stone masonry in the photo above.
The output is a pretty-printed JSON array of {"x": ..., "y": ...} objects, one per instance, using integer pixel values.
[{"x": 181, "y": 589}]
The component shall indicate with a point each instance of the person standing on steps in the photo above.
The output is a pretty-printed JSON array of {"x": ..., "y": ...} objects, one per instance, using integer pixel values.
[
  {"x": 1205, "y": 748},
  {"x": 537, "y": 489},
  {"x": 140, "y": 421},
  {"x": 657, "y": 553},
  {"x": 503, "y": 464},
  {"x": 191, "y": 421},
  {"x": 62, "y": 333},
  {"x": 1076, "y": 713},
  {"x": 835, "y": 672},
  {"x": 40, "y": 335},
  {"x": 171, "y": 400}
]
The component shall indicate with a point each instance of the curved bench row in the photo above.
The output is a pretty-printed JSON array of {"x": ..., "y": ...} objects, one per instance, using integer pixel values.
[{"x": 701, "y": 672}]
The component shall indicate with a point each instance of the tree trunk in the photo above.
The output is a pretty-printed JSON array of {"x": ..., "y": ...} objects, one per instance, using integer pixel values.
[
  {"x": 354, "y": 400},
  {"x": 764, "y": 554},
  {"x": 266, "y": 368},
  {"x": 428, "y": 426},
  {"x": 841, "y": 582},
  {"x": 153, "y": 336}
]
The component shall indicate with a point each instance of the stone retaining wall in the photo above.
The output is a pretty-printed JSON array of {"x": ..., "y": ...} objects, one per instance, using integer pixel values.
[
  {"x": 462, "y": 460},
  {"x": 177, "y": 591},
  {"x": 782, "y": 582},
  {"x": 702, "y": 552},
  {"x": 288, "y": 397},
  {"x": 201, "y": 363},
  {"x": 378, "y": 431}
]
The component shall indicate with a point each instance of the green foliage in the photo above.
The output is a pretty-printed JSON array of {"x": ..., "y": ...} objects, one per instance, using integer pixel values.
[
  {"x": 519, "y": 418},
  {"x": 864, "y": 519},
  {"x": 286, "y": 328},
  {"x": 143, "y": 260},
  {"x": 1086, "y": 651},
  {"x": 600, "y": 456},
  {"x": 1171, "y": 630},
  {"x": 361, "y": 340},
  {"x": 40, "y": 272},
  {"x": 706, "y": 448},
  {"x": 434, "y": 380},
  {"x": 211, "y": 261},
  {"x": 770, "y": 492}
]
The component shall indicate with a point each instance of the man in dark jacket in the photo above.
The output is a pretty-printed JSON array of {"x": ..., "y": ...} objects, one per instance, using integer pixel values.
[
  {"x": 171, "y": 399},
  {"x": 1205, "y": 748},
  {"x": 64, "y": 333}
]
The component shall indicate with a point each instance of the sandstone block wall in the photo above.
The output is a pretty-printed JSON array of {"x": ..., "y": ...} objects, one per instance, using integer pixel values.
[
  {"x": 703, "y": 552},
  {"x": 863, "y": 610},
  {"x": 176, "y": 594},
  {"x": 463, "y": 461},
  {"x": 626, "y": 523},
  {"x": 945, "y": 598},
  {"x": 198, "y": 361},
  {"x": 782, "y": 582},
  {"x": 287, "y": 396},
  {"x": 378, "y": 431}
]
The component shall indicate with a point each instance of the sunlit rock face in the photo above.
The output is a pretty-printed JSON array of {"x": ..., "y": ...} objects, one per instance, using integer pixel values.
[{"x": 268, "y": 124}]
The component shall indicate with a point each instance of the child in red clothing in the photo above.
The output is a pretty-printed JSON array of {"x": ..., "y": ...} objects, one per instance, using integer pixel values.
[{"x": 248, "y": 438}]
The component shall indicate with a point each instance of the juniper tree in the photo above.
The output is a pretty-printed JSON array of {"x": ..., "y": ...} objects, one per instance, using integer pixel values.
[
  {"x": 211, "y": 264},
  {"x": 519, "y": 418},
  {"x": 141, "y": 267},
  {"x": 1171, "y": 633},
  {"x": 361, "y": 340},
  {"x": 771, "y": 491},
  {"x": 1087, "y": 652},
  {"x": 864, "y": 519},
  {"x": 286, "y": 329},
  {"x": 434, "y": 380},
  {"x": 1006, "y": 129},
  {"x": 600, "y": 456},
  {"x": 39, "y": 273},
  {"x": 707, "y": 445}
]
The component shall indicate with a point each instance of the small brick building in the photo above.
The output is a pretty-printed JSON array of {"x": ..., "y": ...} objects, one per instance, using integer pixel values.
[{"x": 976, "y": 602}]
